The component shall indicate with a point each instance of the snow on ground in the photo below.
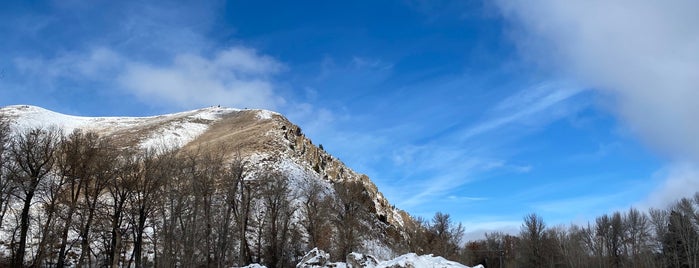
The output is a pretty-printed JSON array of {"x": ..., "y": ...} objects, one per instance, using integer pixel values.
[
  {"x": 319, "y": 259},
  {"x": 376, "y": 248},
  {"x": 174, "y": 135},
  {"x": 413, "y": 260},
  {"x": 265, "y": 114},
  {"x": 254, "y": 265}
]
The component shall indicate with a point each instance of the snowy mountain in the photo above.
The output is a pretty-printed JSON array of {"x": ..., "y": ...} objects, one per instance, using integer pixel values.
[
  {"x": 264, "y": 138},
  {"x": 266, "y": 143}
]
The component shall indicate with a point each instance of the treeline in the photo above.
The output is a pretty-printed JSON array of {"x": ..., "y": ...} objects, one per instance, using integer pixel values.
[
  {"x": 79, "y": 200},
  {"x": 659, "y": 238}
]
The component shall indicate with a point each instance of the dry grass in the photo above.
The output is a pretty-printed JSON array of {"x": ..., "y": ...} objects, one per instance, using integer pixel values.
[{"x": 240, "y": 133}]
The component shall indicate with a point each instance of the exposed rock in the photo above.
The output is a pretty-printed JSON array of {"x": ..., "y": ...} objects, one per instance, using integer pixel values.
[
  {"x": 355, "y": 260},
  {"x": 314, "y": 258}
]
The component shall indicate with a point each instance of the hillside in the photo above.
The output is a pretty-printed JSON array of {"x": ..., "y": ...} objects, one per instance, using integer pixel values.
[
  {"x": 264, "y": 138},
  {"x": 264, "y": 142}
]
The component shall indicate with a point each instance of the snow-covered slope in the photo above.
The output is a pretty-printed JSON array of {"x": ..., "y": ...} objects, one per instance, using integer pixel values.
[{"x": 170, "y": 130}]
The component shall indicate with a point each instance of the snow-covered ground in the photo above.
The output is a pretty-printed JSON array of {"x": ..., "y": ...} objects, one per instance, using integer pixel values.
[
  {"x": 413, "y": 260},
  {"x": 319, "y": 259}
]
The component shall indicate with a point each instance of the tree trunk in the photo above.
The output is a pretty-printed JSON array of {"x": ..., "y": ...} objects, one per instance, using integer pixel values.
[
  {"x": 138, "y": 244},
  {"x": 44, "y": 235},
  {"x": 24, "y": 228},
  {"x": 64, "y": 238}
]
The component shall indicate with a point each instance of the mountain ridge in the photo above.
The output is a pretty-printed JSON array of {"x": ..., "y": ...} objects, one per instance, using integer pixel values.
[{"x": 265, "y": 139}]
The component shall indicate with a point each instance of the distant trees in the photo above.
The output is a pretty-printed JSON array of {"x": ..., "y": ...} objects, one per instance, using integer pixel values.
[
  {"x": 659, "y": 238},
  {"x": 681, "y": 241},
  {"x": 80, "y": 200}
]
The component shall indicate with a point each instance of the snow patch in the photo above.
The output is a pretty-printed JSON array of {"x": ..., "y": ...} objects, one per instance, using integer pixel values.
[
  {"x": 413, "y": 260},
  {"x": 254, "y": 265},
  {"x": 317, "y": 258},
  {"x": 265, "y": 114},
  {"x": 174, "y": 135}
]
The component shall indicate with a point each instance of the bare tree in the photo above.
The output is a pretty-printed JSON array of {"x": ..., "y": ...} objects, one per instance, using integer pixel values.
[
  {"x": 315, "y": 215},
  {"x": 32, "y": 151},
  {"x": 121, "y": 187},
  {"x": 153, "y": 171},
  {"x": 637, "y": 238},
  {"x": 349, "y": 216},
  {"x": 681, "y": 243},
  {"x": 242, "y": 213},
  {"x": 274, "y": 191},
  {"x": 169, "y": 235},
  {"x": 576, "y": 251},
  {"x": 50, "y": 190},
  {"x": 99, "y": 173},
  {"x": 230, "y": 183},
  {"x": 444, "y": 236},
  {"x": 80, "y": 158},
  {"x": 532, "y": 237}
]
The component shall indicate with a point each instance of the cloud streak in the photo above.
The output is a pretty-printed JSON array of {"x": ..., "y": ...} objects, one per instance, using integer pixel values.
[
  {"x": 533, "y": 105},
  {"x": 450, "y": 167}
]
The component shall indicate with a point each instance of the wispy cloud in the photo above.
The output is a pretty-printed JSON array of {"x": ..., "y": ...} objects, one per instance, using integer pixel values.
[
  {"x": 444, "y": 176},
  {"x": 532, "y": 106},
  {"x": 368, "y": 63},
  {"x": 442, "y": 169}
]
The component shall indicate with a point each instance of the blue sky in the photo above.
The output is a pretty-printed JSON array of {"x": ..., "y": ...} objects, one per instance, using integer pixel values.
[{"x": 486, "y": 110}]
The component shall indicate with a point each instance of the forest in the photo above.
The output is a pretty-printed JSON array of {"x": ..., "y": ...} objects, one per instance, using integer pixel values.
[{"x": 80, "y": 200}]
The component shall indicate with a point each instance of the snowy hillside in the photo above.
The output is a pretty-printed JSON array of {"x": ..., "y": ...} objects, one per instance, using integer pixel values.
[{"x": 265, "y": 141}]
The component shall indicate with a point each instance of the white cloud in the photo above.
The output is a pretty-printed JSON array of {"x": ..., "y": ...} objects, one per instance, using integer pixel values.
[
  {"x": 677, "y": 180},
  {"x": 476, "y": 230},
  {"x": 236, "y": 77},
  {"x": 99, "y": 62},
  {"x": 643, "y": 54}
]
